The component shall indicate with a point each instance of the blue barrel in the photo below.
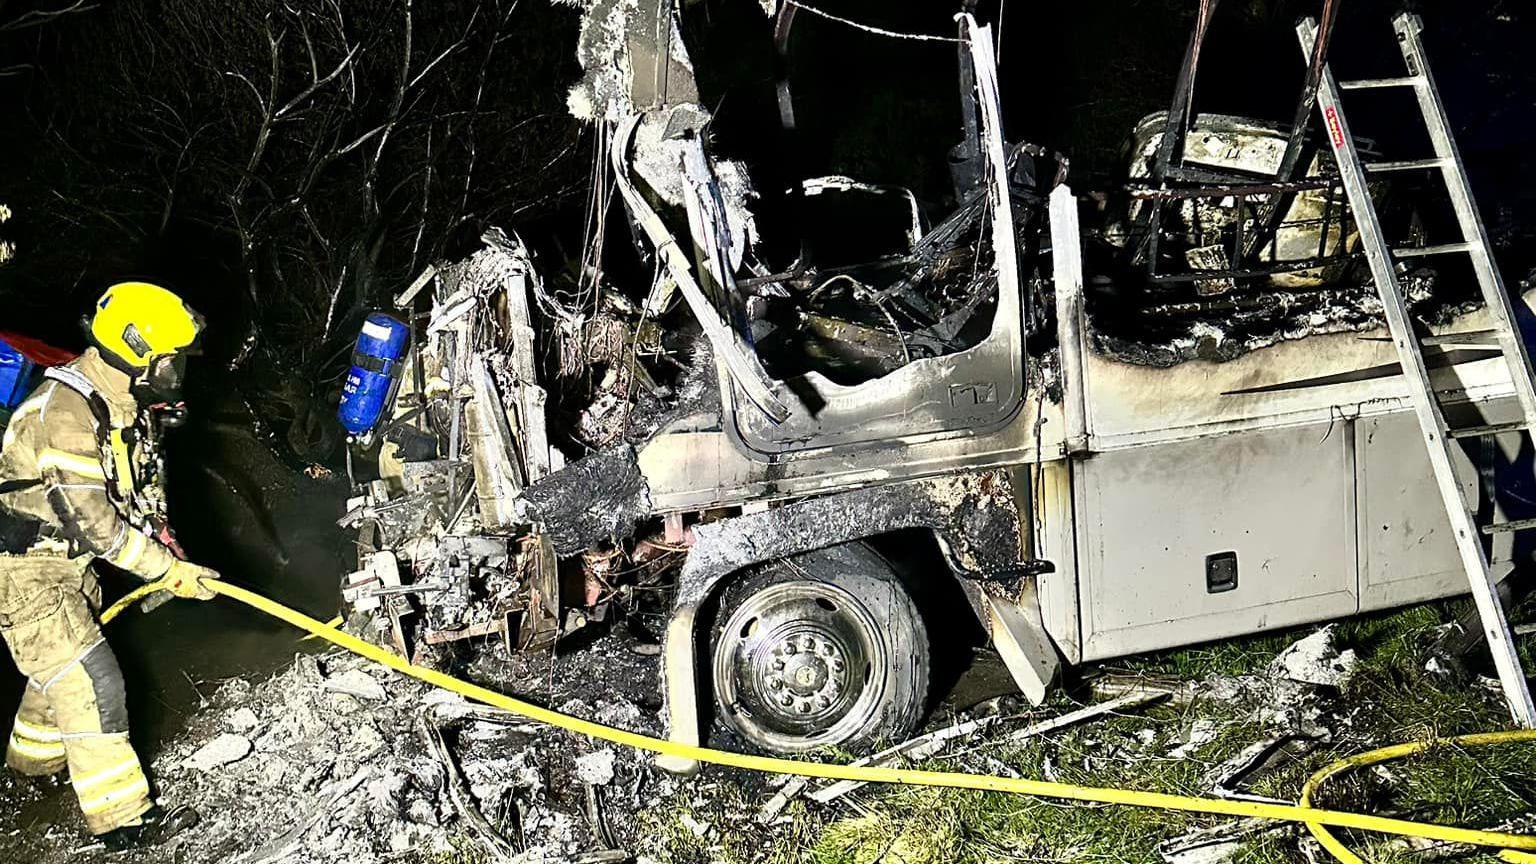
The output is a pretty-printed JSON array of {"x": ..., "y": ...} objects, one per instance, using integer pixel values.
[
  {"x": 374, "y": 374},
  {"x": 15, "y": 376}
]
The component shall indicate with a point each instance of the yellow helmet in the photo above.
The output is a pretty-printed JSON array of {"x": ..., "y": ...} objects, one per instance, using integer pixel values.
[{"x": 136, "y": 322}]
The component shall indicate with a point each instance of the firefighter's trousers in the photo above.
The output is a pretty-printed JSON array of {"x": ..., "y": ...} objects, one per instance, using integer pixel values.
[{"x": 74, "y": 712}]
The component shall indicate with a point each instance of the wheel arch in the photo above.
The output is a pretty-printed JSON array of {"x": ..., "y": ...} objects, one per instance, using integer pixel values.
[{"x": 974, "y": 517}]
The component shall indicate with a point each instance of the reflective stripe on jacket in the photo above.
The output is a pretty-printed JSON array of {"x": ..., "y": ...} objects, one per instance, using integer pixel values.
[{"x": 52, "y": 440}]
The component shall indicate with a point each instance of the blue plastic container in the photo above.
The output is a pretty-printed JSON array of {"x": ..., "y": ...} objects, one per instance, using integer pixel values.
[
  {"x": 375, "y": 373},
  {"x": 15, "y": 376}
]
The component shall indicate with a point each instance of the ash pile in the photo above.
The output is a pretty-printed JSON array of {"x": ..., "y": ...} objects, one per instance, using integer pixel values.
[{"x": 334, "y": 760}]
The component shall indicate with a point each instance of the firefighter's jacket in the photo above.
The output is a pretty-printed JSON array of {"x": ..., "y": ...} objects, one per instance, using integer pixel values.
[{"x": 70, "y": 471}]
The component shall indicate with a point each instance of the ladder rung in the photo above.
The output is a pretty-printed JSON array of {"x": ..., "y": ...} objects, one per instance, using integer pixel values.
[
  {"x": 1442, "y": 249},
  {"x": 1407, "y": 164},
  {"x": 1467, "y": 337},
  {"x": 1506, "y": 527},
  {"x": 1490, "y": 429},
  {"x": 1373, "y": 83}
]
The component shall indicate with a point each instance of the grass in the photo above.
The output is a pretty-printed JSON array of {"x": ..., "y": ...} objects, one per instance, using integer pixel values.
[
  {"x": 1232, "y": 657},
  {"x": 911, "y": 824},
  {"x": 1390, "y": 698},
  {"x": 463, "y": 851}
]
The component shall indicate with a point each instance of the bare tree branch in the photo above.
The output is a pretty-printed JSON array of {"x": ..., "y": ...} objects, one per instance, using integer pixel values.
[
  {"x": 426, "y": 198},
  {"x": 370, "y": 201},
  {"x": 318, "y": 83},
  {"x": 402, "y": 117},
  {"x": 260, "y": 101},
  {"x": 462, "y": 40},
  {"x": 361, "y": 140},
  {"x": 330, "y": 314},
  {"x": 39, "y": 17}
]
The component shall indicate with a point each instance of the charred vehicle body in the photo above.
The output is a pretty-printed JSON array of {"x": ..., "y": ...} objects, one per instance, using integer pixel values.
[{"x": 1204, "y": 436}]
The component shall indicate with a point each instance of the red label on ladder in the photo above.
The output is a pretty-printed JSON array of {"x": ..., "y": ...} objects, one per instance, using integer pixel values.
[{"x": 1335, "y": 131}]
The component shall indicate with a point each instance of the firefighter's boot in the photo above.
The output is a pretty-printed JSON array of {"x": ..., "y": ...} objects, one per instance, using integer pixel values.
[{"x": 155, "y": 826}]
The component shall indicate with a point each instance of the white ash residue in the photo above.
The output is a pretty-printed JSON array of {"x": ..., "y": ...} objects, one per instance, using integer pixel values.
[
  {"x": 325, "y": 764},
  {"x": 603, "y": 92},
  {"x": 1315, "y": 660},
  {"x": 221, "y": 751},
  {"x": 612, "y": 31},
  {"x": 657, "y": 160},
  {"x": 325, "y": 772}
]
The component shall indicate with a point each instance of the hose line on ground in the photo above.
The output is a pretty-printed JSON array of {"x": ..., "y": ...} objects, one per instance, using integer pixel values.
[
  {"x": 1317, "y": 821},
  {"x": 1401, "y": 751}
]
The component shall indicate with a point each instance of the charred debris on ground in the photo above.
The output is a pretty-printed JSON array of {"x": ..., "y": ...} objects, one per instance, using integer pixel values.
[{"x": 331, "y": 760}]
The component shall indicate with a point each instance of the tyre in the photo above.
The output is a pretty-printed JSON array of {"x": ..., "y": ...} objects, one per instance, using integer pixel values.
[{"x": 823, "y": 648}]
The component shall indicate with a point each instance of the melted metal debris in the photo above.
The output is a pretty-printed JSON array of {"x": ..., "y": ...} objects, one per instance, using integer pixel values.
[
  {"x": 592, "y": 500},
  {"x": 1219, "y": 329}
]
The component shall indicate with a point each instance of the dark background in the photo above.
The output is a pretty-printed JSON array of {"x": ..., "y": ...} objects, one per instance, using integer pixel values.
[{"x": 129, "y": 132}]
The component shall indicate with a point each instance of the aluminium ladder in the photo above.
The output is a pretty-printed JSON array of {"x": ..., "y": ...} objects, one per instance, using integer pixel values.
[{"x": 1439, "y": 437}]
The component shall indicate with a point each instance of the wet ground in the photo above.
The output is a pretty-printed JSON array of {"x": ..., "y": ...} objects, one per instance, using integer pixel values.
[{"x": 262, "y": 523}]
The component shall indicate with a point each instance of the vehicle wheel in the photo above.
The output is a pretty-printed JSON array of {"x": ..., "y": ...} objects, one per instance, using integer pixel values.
[{"x": 824, "y": 648}]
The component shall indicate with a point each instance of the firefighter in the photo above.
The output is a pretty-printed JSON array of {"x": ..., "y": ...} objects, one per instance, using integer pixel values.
[{"x": 74, "y": 488}]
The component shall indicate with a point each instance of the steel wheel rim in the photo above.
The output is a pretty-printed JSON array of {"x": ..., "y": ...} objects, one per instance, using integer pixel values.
[{"x": 800, "y": 665}]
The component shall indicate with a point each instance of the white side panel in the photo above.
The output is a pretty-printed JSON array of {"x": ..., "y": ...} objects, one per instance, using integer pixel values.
[
  {"x": 1055, "y": 542},
  {"x": 1282, "y": 500},
  {"x": 1406, "y": 550}
]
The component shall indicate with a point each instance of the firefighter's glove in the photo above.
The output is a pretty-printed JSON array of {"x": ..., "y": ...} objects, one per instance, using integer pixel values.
[{"x": 185, "y": 579}]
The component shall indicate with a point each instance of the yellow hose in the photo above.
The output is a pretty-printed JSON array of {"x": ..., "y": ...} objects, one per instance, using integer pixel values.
[
  {"x": 1400, "y": 751},
  {"x": 133, "y": 597},
  {"x": 1303, "y": 813}
]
